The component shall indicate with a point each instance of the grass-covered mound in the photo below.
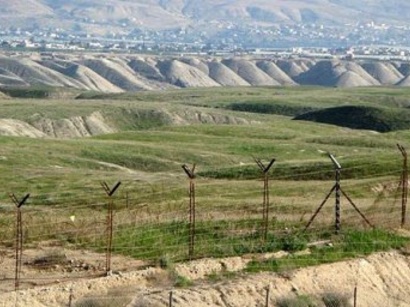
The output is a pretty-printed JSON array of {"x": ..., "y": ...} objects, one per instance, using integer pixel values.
[
  {"x": 270, "y": 108},
  {"x": 362, "y": 117},
  {"x": 37, "y": 92}
]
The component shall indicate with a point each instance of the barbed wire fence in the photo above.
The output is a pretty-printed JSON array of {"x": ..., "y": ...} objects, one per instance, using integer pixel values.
[{"x": 153, "y": 222}]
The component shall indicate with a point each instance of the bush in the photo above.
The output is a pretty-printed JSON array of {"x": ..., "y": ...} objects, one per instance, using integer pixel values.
[
  {"x": 298, "y": 301},
  {"x": 333, "y": 299},
  {"x": 293, "y": 243}
]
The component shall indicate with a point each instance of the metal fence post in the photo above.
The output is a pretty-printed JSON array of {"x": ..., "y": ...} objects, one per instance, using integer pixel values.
[
  {"x": 192, "y": 210},
  {"x": 110, "y": 193}
]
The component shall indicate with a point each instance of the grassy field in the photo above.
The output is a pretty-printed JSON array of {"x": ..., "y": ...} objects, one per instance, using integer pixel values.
[{"x": 64, "y": 176}]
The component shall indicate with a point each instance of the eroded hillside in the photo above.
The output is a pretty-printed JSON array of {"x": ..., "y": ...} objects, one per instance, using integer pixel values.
[{"x": 121, "y": 73}]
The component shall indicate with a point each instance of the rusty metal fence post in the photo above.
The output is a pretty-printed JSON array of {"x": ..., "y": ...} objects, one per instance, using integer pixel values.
[
  {"x": 267, "y": 296},
  {"x": 71, "y": 298},
  {"x": 192, "y": 210},
  {"x": 404, "y": 185},
  {"x": 265, "y": 205},
  {"x": 170, "y": 298},
  {"x": 19, "y": 237},
  {"x": 109, "y": 229},
  {"x": 355, "y": 297}
]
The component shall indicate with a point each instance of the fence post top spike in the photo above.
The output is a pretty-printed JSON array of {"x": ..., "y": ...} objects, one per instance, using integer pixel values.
[
  {"x": 187, "y": 171},
  {"x": 105, "y": 186},
  {"x": 402, "y": 149},
  {"x": 269, "y": 165},
  {"x": 335, "y": 162},
  {"x": 112, "y": 191},
  {"x": 260, "y": 164}
]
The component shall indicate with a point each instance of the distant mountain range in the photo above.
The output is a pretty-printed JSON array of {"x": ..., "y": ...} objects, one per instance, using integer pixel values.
[{"x": 115, "y": 15}]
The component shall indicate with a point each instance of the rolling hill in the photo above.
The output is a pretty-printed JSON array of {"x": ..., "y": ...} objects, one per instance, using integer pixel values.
[
  {"x": 119, "y": 73},
  {"x": 96, "y": 16}
]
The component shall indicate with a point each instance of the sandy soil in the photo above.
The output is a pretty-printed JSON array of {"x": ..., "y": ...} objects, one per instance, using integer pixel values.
[{"x": 79, "y": 277}]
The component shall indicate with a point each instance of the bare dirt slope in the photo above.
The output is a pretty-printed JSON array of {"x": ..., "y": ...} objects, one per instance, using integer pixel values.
[
  {"x": 275, "y": 72},
  {"x": 385, "y": 73},
  {"x": 86, "y": 77},
  {"x": 248, "y": 71},
  {"x": 382, "y": 279},
  {"x": 184, "y": 75},
  {"x": 336, "y": 73},
  {"x": 118, "y": 73},
  {"x": 225, "y": 76}
]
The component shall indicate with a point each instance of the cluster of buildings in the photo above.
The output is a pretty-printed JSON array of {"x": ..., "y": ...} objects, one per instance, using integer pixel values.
[{"x": 351, "y": 40}]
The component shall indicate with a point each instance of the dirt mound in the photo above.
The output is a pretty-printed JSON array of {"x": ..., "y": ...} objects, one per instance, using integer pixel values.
[
  {"x": 149, "y": 84},
  {"x": 8, "y": 78},
  {"x": 78, "y": 126},
  {"x": 116, "y": 74},
  {"x": 62, "y": 68},
  {"x": 275, "y": 72},
  {"x": 183, "y": 75},
  {"x": 224, "y": 76},
  {"x": 293, "y": 68},
  {"x": 91, "y": 80},
  {"x": 86, "y": 78},
  {"x": 248, "y": 71},
  {"x": 336, "y": 73},
  {"x": 356, "y": 68},
  {"x": 202, "y": 66},
  {"x": 350, "y": 79},
  {"x": 13, "y": 127},
  {"x": 385, "y": 73},
  {"x": 405, "y": 81},
  {"x": 33, "y": 73},
  {"x": 146, "y": 69}
]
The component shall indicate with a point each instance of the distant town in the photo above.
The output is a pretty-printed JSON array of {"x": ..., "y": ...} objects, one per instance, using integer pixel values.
[{"x": 361, "y": 40}]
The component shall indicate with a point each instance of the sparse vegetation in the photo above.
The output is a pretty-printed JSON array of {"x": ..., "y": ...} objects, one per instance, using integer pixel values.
[
  {"x": 104, "y": 301},
  {"x": 49, "y": 260},
  {"x": 333, "y": 299},
  {"x": 298, "y": 301},
  {"x": 350, "y": 245}
]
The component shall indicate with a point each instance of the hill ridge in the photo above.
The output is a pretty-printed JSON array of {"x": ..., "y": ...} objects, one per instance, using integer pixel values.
[{"x": 119, "y": 73}]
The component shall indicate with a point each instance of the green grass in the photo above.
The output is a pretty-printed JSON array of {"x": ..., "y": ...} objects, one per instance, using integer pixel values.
[
  {"x": 362, "y": 117},
  {"x": 223, "y": 238},
  {"x": 146, "y": 153},
  {"x": 351, "y": 244},
  {"x": 39, "y": 92},
  {"x": 301, "y": 95}
]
